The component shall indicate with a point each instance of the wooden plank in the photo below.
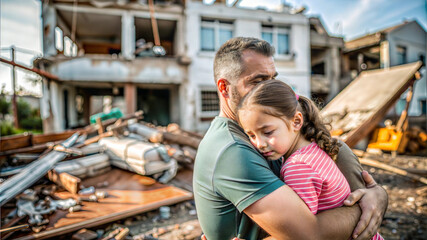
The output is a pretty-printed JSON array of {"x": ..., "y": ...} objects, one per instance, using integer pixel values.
[
  {"x": 399, "y": 171},
  {"x": 370, "y": 95},
  {"x": 15, "y": 141},
  {"x": 129, "y": 194},
  {"x": 52, "y": 137}
]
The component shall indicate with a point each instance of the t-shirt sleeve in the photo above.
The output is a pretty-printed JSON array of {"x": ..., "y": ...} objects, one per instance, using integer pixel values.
[
  {"x": 243, "y": 176},
  {"x": 349, "y": 165},
  {"x": 304, "y": 181}
]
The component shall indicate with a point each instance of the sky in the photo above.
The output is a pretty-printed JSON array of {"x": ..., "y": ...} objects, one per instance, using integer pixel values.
[{"x": 20, "y": 24}]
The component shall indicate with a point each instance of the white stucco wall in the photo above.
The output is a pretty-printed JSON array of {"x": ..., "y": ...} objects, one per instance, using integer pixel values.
[{"x": 294, "y": 69}]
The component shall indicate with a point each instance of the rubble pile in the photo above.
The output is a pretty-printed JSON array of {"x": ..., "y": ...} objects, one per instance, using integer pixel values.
[{"x": 46, "y": 185}]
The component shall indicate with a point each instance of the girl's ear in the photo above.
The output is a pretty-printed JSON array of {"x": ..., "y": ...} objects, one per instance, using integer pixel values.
[{"x": 298, "y": 121}]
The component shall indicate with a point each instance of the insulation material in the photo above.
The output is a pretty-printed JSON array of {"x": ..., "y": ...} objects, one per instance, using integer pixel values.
[{"x": 140, "y": 157}]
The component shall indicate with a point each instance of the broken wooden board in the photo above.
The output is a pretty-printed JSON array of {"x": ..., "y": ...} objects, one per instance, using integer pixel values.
[
  {"x": 129, "y": 194},
  {"x": 358, "y": 109}
]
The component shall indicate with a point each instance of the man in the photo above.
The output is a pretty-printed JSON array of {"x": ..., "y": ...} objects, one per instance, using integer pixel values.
[{"x": 232, "y": 178}]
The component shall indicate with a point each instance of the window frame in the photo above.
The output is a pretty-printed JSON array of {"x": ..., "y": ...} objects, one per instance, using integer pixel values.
[
  {"x": 206, "y": 114},
  {"x": 275, "y": 31},
  {"x": 217, "y": 26}
]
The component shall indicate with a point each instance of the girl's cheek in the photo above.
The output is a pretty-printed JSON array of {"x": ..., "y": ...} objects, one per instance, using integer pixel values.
[{"x": 253, "y": 144}]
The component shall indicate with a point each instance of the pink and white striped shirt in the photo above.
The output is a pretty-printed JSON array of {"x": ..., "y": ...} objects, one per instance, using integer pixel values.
[{"x": 314, "y": 176}]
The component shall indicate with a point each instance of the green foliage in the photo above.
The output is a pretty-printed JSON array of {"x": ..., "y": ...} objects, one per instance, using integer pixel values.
[
  {"x": 29, "y": 118},
  {"x": 34, "y": 123},
  {"x": 4, "y": 105},
  {"x": 7, "y": 128},
  {"x": 24, "y": 110}
]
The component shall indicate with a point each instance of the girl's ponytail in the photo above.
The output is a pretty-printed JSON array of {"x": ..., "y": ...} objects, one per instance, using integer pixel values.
[{"x": 314, "y": 129}]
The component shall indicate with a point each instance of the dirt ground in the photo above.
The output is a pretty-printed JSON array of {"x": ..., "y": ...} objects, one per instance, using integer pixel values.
[{"x": 405, "y": 219}]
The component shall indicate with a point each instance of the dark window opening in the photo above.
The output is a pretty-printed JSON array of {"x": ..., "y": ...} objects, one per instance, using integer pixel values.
[
  {"x": 318, "y": 69},
  {"x": 156, "y": 105}
]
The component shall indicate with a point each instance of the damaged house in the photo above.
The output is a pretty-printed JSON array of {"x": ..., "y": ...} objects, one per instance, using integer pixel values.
[
  {"x": 397, "y": 45},
  {"x": 326, "y": 58},
  {"x": 109, "y": 54}
]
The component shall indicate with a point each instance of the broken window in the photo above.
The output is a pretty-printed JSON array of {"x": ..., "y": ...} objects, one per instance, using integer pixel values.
[
  {"x": 214, "y": 33},
  {"x": 278, "y": 37},
  {"x": 210, "y": 101},
  {"x": 145, "y": 39}
]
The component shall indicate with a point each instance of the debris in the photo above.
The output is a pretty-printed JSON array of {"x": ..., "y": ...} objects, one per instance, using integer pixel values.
[
  {"x": 65, "y": 180},
  {"x": 85, "y": 234},
  {"x": 396, "y": 170},
  {"x": 129, "y": 196},
  {"x": 33, "y": 172},
  {"x": 361, "y": 105},
  {"x": 164, "y": 212}
]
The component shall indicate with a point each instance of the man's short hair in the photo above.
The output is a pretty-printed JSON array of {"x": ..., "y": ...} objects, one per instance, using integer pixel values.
[{"x": 228, "y": 59}]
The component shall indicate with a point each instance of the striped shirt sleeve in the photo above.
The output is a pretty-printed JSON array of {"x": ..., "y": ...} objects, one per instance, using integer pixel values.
[{"x": 304, "y": 181}]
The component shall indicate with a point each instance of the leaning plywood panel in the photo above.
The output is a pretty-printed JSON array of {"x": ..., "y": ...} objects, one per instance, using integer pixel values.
[
  {"x": 128, "y": 194},
  {"x": 361, "y": 105}
]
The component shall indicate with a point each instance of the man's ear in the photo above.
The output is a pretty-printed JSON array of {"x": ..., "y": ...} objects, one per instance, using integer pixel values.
[
  {"x": 298, "y": 121},
  {"x": 222, "y": 85}
]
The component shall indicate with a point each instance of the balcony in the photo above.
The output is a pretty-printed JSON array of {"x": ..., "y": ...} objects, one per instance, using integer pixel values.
[{"x": 104, "y": 68}]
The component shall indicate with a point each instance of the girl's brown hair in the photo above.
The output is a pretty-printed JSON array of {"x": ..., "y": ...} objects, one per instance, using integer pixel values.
[{"x": 280, "y": 101}]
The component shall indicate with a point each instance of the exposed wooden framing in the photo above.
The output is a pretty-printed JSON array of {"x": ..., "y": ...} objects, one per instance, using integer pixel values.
[{"x": 32, "y": 173}]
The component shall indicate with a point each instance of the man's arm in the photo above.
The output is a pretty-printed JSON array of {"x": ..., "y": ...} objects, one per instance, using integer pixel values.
[
  {"x": 285, "y": 216},
  {"x": 373, "y": 200}
]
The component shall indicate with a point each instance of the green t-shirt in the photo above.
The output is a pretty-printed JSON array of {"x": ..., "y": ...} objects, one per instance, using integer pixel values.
[{"x": 230, "y": 175}]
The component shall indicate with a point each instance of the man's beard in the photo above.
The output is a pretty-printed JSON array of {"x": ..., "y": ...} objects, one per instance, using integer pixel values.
[{"x": 234, "y": 99}]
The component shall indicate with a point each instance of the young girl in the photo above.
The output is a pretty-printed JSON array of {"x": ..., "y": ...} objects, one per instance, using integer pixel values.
[{"x": 280, "y": 124}]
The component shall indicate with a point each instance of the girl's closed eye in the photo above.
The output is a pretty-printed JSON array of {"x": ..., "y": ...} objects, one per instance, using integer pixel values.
[{"x": 268, "y": 133}]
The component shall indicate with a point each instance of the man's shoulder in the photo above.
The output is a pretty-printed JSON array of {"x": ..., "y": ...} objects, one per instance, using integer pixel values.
[{"x": 223, "y": 133}]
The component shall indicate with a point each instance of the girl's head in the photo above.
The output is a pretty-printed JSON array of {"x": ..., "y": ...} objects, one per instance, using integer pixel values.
[{"x": 275, "y": 118}]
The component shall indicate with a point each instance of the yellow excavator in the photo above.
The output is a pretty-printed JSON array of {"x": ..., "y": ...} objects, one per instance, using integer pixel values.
[{"x": 394, "y": 138}]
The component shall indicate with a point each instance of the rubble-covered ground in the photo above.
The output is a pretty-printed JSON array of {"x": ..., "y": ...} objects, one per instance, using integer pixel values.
[{"x": 406, "y": 216}]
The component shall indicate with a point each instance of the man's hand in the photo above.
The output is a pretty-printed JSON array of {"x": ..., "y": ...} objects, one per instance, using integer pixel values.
[{"x": 373, "y": 202}]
